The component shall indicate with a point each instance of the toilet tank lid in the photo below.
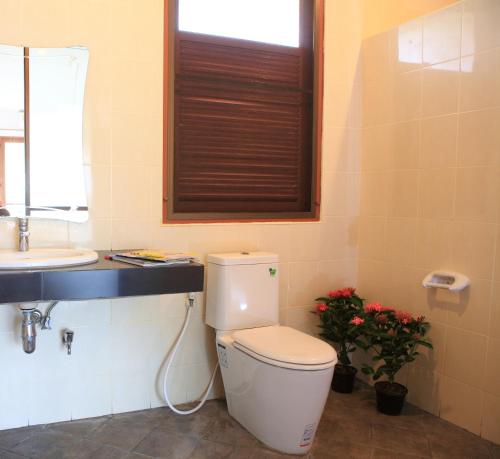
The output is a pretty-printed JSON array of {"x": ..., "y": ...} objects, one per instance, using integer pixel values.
[{"x": 242, "y": 258}]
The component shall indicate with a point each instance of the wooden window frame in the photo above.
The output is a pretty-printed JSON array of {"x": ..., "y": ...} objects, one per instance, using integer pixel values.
[{"x": 169, "y": 216}]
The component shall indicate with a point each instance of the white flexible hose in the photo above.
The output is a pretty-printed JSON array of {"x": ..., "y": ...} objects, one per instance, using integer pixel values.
[{"x": 170, "y": 360}]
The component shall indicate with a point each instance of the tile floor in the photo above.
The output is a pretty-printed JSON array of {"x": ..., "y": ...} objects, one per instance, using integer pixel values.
[{"x": 350, "y": 428}]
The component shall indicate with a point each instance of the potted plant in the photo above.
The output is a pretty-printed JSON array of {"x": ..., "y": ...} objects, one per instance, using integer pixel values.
[
  {"x": 393, "y": 336},
  {"x": 339, "y": 313}
]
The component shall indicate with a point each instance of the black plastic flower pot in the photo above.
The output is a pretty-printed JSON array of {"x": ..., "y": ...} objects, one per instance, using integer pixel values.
[
  {"x": 343, "y": 378},
  {"x": 390, "y": 397}
]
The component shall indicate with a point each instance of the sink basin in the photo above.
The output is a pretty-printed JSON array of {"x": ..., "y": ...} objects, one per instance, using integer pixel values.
[{"x": 46, "y": 258}]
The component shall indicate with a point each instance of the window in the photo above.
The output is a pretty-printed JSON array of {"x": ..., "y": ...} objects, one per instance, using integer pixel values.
[{"x": 243, "y": 83}]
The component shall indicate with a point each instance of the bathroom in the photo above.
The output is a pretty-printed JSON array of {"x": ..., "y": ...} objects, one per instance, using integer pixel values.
[{"x": 410, "y": 183}]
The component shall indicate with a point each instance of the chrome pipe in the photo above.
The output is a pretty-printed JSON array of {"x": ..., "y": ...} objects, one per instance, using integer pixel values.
[{"x": 28, "y": 329}]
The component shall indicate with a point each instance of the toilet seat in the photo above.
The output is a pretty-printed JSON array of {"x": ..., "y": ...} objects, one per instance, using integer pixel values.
[{"x": 285, "y": 347}]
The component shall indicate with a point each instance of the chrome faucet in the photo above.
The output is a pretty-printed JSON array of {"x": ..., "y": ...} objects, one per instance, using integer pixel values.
[{"x": 24, "y": 234}]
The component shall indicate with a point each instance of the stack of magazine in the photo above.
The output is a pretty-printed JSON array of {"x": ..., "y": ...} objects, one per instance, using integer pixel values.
[{"x": 151, "y": 258}]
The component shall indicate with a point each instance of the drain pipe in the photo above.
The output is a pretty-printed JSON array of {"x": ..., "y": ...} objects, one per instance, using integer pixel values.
[{"x": 31, "y": 317}]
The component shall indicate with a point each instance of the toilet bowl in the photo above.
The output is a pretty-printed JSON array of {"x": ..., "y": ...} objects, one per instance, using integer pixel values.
[{"x": 276, "y": 379}]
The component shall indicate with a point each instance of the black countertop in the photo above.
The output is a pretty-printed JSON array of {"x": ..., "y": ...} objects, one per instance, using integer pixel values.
[{"x": 102, "y": 279}]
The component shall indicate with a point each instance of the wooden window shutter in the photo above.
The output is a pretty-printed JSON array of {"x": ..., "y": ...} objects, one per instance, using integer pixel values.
[{"x": 243, "y": 125}]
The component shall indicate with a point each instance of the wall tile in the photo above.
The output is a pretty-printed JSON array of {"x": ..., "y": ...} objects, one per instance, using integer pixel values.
[
  {"x": 303, "y": 287},
  {"x": 277, "y": 239},
  {"x": 461, "y": 404},
  {"x": 340, "y": 194},
  {"x": 439, "y": 142},
  {"x": 372, "y": 280},
  {"x": 95, "y": 400},
  {"x": 478, "y": 193},
  {"x": 340, "y": 149},
  {"x": 407, "y": 90},
  {"x": 433, "y": 359},
  {"x": 490, "y": 428},
  {"x": 423, "y": 388},
  {"x": 338, "y": 238},
  {"x": 403, "y": 194},
  {"x": 400, "y": 240},
  {"x": 377, "y": 148},
  {"x": 375, "y": 194},
  {"x": 442, "y": 35},
  {"x": 336, "y": 274},
  {"x": 480, "y": 26},
  {"x": 95, "y": 233},
  {"x": 479, "y": 138},
  {"x": 492, "y": 374},
  {"x": 494, "y": 330},
  {"x": 472, "y": 254},
  {"x": 132, "y": 233},
  {"x": 308, "y": 242},
  {"x": 465, "y": 356},
  {"x": 437, "y": 193},
  {"x": 434, "y": 244},
  {"x": 405, "y": 145},
  {"x": 372, "y": 238},
  {"x": 130, "y": 192},
  {"x": 45, "y": 25},
  {"x": 440, "y": 85},
  {"x": 471, "y": 307},
  {"x": 480, "y": 81}
]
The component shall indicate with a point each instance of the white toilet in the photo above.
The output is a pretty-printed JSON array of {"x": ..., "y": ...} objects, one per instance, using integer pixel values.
[{"x": 276, "y": 378}]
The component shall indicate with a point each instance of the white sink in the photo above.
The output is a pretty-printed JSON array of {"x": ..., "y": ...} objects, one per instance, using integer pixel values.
[{"x": 46, "y": 258}]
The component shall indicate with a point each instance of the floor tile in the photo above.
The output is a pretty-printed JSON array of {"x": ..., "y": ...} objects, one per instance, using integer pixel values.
[
  {"x": 12, "y": 437},
  {"x": 340, "y": 449},
  {"x": 119, "y": 434},
  {"x": 400, "y": 440},
  {"x": 226, "y": 430},
  {"x": 44, "y": 444},
  {"x": 386, "y": 454},
  {"x": 168, "y": 445},
  {"x": 213, "y": 450},
  {"x": 8, "y": 455},
  {"x": 80, "y": 428}
]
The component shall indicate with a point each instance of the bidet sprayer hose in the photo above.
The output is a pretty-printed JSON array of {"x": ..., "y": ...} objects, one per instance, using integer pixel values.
[{"x": 170, "y": 359}]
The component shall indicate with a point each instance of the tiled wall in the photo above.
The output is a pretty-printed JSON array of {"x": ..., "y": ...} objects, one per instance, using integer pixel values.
[
  {"x": 120, "y": 344},
  {"x": 382, "y": 15},
  {"x": 430, "y": 199}
]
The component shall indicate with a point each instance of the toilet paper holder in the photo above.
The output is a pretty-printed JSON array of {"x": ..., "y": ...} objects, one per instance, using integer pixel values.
[{"x": 449, "y": 280}]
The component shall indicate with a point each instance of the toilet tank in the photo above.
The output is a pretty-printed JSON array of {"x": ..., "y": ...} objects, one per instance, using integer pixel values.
[{"x": 242, "y": 290}]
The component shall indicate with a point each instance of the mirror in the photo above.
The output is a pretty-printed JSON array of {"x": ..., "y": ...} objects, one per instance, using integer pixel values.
[{"x": 41, "y": 138}]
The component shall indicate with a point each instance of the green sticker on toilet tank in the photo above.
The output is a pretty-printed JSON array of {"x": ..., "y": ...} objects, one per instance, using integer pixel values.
[{"x": 273, "y": 271}]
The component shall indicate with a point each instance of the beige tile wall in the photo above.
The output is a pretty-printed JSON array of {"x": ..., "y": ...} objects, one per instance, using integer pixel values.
[
  {"x": 430, "y": 199},
  {"x": 120, "y": 344}
]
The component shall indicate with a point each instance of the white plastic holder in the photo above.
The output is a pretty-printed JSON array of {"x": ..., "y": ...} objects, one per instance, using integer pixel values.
[{"x": 449, "y": 280}]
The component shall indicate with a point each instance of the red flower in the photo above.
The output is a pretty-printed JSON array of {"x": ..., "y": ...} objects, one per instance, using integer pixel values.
[
  {"x": 347, "y": 292},
  {"x": 374, "y": 307},
  {"x": 357, "y": 320},
  {"x": 321, "y": 307},
  {"x": 403, "y": 317},
  {"x": 421, "y": 318}
]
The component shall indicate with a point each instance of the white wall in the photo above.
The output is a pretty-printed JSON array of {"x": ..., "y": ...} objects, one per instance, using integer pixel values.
[{"x": 120, "y": 344}]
